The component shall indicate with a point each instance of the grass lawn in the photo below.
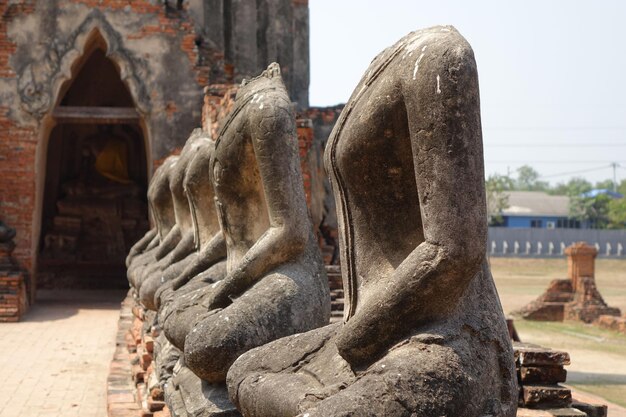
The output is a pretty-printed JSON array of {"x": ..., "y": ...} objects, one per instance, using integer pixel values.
[{"x": 598, "y": 356}]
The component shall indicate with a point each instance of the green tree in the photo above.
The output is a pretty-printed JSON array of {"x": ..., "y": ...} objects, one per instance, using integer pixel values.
[
  {"x": 621, "y": 188},
  {"x": 604, "y": 185},
  {"x": 594, "y": 210},
  {"x": 528, "y": 180},
  {"x": 497, "y": 198},
  {"x": 573, "y": 187},
  {"x": 617, "y": 213}
]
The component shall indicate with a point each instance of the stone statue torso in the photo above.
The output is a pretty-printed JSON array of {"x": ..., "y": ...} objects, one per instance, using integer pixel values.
[
  {"x": 200, "y": 194},
  {"x": 369, "y": 158},
  {"x": 240, "y": 198},
  {"x": 160, "y": 198},
  {"x": 177, "y": 177}
]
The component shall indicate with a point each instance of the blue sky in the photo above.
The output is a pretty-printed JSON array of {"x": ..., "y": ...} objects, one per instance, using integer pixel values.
[{"x": 552, "y": 73}]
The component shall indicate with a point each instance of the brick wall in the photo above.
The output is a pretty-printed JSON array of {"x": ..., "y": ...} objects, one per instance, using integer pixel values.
[{"x": 305, "y": 142}]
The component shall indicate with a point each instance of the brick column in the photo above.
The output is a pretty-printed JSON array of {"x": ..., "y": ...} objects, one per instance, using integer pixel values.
[
  {"x": 581, "y": 259},
  {"x": 587, "y": 304}
]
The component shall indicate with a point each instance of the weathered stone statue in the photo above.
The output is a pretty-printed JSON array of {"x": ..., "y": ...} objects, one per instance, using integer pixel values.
[
  {"x": 423, "y": 332},
  {"x": 162, "y": 210},
  {"x": 275, "y": 283},
  {"x": 178, "y": 298},
  {"x": 147, "y": 242},
  {"x": 184, "y": 253}
]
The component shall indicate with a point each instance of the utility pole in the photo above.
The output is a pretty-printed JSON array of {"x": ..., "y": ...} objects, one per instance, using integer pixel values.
[{"x": 614, "y": 165}]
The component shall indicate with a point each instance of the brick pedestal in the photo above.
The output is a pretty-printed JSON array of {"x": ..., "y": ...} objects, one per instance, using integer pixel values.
[
  {"x": 574, "y": 298},
  {"x": 13, "y": 301}
]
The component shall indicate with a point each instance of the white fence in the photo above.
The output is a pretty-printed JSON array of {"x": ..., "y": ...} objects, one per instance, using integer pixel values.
[{"x": 552, "y": 242}]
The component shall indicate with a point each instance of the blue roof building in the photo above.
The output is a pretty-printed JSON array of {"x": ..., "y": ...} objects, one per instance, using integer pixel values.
[{"x": 535, "y": 209}]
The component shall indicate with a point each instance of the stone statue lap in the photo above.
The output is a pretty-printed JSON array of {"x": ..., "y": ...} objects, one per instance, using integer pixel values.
[{"x": 423, "y": 333}]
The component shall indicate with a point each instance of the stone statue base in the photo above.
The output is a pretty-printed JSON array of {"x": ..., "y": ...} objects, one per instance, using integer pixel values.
[{"x": 189, "y": 396}]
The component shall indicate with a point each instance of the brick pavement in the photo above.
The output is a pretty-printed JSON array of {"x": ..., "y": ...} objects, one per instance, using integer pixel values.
[{"x": 55, "y": 362}]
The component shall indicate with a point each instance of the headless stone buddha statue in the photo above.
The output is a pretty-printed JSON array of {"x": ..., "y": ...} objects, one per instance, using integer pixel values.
[
  {"x": 423, "y": 333},
  {"x": 162, "y": 211},
  {"x": 171, "y": 265},
  {"x": 178, "y": 300},
  {"x": 275, "y": 283}
]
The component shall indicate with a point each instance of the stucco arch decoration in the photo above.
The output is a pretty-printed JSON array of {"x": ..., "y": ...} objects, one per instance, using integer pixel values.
[{"x": 40, "y": 82}]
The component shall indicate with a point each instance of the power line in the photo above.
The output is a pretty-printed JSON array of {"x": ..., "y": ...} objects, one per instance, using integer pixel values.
[
  {"x": 561, "y": 145},
  {"x": 530, "y": 162},
  {"x": 548, "y": 128},
  {"x": 582, "y": 171}
]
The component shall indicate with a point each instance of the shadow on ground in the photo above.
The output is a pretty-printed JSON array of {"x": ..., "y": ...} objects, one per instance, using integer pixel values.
[{"x": 54, "y": 305}]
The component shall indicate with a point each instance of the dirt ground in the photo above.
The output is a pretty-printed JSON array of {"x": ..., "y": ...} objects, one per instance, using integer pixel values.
[{"x": 598, "y": 356}]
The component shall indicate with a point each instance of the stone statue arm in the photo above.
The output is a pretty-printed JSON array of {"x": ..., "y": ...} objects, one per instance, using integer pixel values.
[
  {"x": 184, "y": 247},
  {"x": 213, "y": 252},
  {"x": 141, "y": 245},
  {"x": 169, "y": 242},
  {"x": 153, "y": 243},
  {"x": 273, "y": 136},
  {"x": 446, "y": 143}
]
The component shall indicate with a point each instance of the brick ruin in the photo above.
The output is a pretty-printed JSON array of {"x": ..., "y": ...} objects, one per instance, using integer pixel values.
[
  {"x": 95, "y": 94},
  {"x": 576, "y": 297}
]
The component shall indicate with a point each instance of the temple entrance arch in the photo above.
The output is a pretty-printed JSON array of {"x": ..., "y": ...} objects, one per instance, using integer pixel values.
[{"x": 96, "y": 176}]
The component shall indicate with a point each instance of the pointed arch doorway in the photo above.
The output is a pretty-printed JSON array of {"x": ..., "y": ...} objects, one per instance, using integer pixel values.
[{"x": 96, "y": 179}]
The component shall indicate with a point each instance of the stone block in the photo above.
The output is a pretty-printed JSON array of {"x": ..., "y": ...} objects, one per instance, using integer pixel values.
[
  {"x": 542, "y": 374},
  {"x": 592, "y": 410},
  {"x": 546, "y": 396},
  {"x": 537, "y": 356},
  {"x": 154, "y": 405},
  {"x": 148, "y": 342},
  {"x": 199, "y": 398}
]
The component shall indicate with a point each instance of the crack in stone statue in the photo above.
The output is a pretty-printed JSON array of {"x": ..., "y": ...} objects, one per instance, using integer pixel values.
[{"x": 424, "y": 332}]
